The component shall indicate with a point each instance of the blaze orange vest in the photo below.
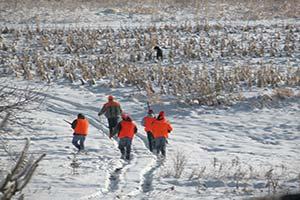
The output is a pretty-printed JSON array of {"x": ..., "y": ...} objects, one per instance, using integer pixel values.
[
  {"x": 161, "y": 128},
  {"x": 82, "y": 127},
  {"x": 127, "y": 129},
  {"x": 148, "y": 122}
]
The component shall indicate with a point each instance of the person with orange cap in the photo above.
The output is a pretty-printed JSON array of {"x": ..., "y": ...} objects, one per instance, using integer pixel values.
[
  {"x": 80, "y": 126},
  {"x": 112, "y": 110},
  {"x": 161, "y": 128},
  {"x": 147, "y": 122},
  {"x": 125, "y": 130}
]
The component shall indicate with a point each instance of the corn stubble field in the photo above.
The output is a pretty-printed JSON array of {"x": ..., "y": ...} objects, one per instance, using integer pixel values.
[{"x": 205, "y": 62}]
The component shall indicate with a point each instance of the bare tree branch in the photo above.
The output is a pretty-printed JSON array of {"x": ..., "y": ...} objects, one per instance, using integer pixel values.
[
  {"x": 14, "y": 100},
  {"x": 20, "y": 175}
]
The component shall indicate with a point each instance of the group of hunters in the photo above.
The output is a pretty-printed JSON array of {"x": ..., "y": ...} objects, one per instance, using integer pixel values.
[{"x": 157, "y": 129}]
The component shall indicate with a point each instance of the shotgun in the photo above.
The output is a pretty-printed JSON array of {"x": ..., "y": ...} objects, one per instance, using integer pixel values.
[
  {"x": 148, "y": 105},
  {"x": 68, "y": 122}
]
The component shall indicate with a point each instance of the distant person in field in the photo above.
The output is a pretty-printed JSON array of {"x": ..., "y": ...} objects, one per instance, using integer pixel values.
[
  {"x": 125, "y": 130},
  {"x": 159, "y": 53},
  {"x": 147, "y": 122},
  {"x": 112, "y": 111},
  {"x": 161, "y": 128},
  {"x": 81, "y": 127}
]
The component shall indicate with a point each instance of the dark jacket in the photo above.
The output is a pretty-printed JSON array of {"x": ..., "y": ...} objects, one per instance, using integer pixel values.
[{"x": 111, "y": 109}]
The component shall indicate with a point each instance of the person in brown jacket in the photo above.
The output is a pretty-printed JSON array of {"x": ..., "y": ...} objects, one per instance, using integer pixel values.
[{"x": 112, "y": 111}]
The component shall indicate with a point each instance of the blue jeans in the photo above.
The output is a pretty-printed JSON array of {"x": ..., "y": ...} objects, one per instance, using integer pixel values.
[
  {"x": 78, "y": 141},
  {"x": 125, "y": 147},
  {"x": 160, "y": 145}
]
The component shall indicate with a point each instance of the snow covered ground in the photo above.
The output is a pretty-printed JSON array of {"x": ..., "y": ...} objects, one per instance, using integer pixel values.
[
  {"x": 234, "y": 152},
  {"x": 227, "y": 151}
]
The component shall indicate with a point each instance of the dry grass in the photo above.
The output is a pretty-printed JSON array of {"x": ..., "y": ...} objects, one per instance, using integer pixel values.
[
  {"x": 233, "y": 174},
  {"x": 125, "y": 56},
  {"x": 283, "y": 93}
]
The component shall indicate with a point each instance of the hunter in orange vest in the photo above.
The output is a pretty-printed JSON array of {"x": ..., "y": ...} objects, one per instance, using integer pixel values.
[
  {"x": 126, "y": 130},
  {"x": 81, "y": 127},
  {"x": 161, "y": 128},
  {"x": 147, "y": 123}
]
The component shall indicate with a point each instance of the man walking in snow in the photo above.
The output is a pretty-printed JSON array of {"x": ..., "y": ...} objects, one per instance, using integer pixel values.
[
  {"x": 147, "y": 122},
  {"x": 80, "y": 126},
  {"x": 112, "y": 111},
  {"x": 126, "y": 130},
  {"x": 159, "y": 53},
  {"x": 160, "y": 129}
]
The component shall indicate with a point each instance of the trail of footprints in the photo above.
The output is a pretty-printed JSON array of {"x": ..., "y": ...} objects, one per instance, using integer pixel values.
[{"x": 122, "y": 177}]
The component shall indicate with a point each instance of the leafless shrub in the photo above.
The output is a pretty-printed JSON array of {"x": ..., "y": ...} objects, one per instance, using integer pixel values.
[
  {"x": 74, "y": 164},
  {"x": 197, "y": 173},
  {"x": 179, "y": 163},
  {"x": 19, "y": 176},
  {"x": 239, "y": 176},
  {"x": 177, "y": 167},
  {"x": 272, "y": 181},
  {"x": 283, "y": 93},
  {"x": 14, "y": 100}
]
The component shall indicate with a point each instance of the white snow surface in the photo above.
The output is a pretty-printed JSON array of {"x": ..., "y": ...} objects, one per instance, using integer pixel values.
[
  {"x": 228, "y": 151},
  {"x": 225, "y": 142}
]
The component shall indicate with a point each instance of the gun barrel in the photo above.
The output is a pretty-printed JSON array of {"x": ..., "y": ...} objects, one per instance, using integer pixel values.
[{"x": 68, "y": 122}]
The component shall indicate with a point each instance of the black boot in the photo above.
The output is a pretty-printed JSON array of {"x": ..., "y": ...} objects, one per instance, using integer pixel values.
[{"x": 111, "y": 133}]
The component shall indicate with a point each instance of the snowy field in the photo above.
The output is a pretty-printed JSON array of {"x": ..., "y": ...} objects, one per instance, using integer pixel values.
[
  {"x": 247, "y": 148},
  {"x": 227, "y": 152}
]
